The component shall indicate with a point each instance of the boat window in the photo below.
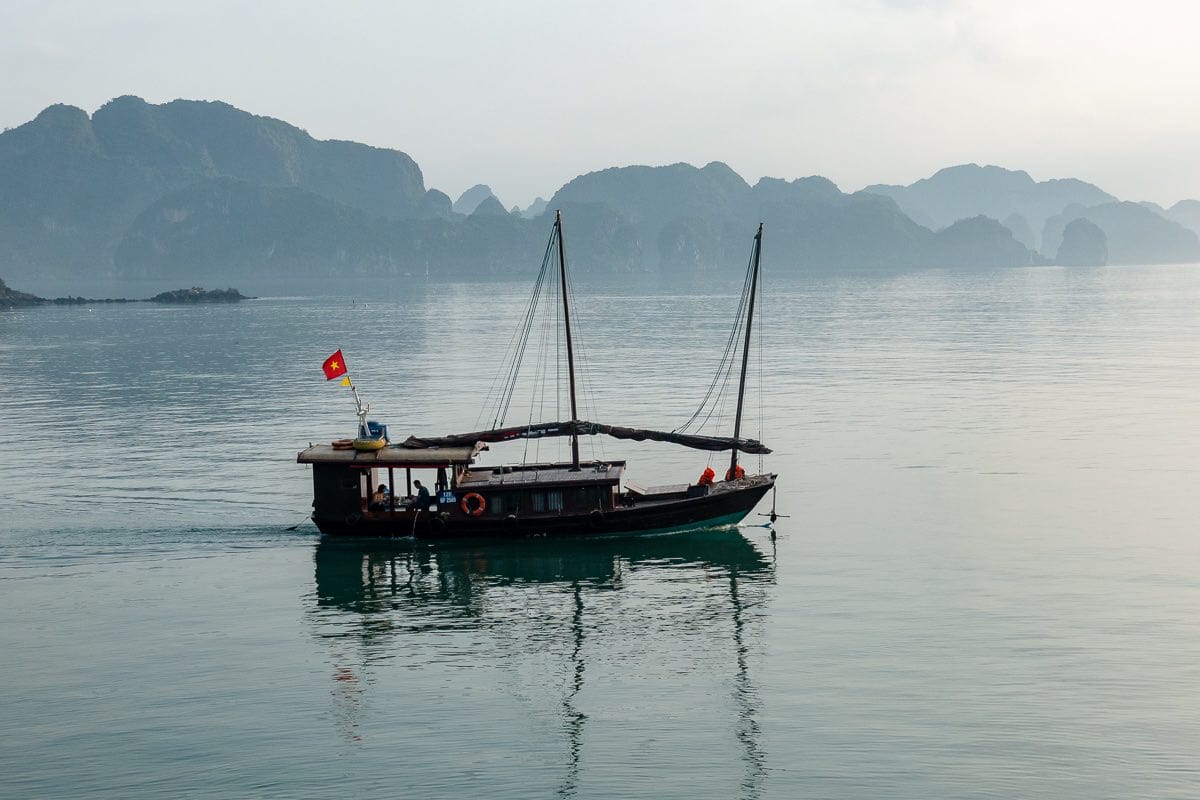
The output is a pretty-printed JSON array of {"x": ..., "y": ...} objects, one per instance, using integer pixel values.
[
  {"x": 539, "y": 501},
  {"x": 497, "y": 505},
  {"x": 554, "y": 500}
]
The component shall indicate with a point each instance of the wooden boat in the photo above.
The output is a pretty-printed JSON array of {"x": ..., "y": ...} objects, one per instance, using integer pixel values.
[{"x": 578, "y": 497}]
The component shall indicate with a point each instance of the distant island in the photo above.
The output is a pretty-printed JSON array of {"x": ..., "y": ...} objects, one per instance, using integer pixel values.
[
  {"x": 190, "y": 191},
  {"x": 199, "y": 295},
  {"x": 11, "y": 299}
]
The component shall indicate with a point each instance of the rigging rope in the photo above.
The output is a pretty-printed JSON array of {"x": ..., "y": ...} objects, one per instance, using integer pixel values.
[
  {"x": 508, "y": 373},
  {"x": 539, "y": 382},
  {"x": 504, "y": 398},
  {"x": 587, "y": 397},
  {"x": 560, "y": 367},
  {"x": 728, "y": 358},
  {"x": 546, "y": 289},
  {"x": 501, "y": 368}
]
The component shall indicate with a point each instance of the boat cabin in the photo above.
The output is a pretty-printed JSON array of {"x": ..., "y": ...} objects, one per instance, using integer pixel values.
[
  {"x": 529, "y": 489},
  {"x": 345, "y": 481}
]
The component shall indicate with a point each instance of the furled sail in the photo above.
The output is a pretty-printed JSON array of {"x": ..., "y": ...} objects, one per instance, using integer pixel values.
[{"x": 584, "y": 428}]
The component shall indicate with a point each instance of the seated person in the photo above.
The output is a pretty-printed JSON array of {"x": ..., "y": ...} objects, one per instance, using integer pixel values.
[
  {"x": 379, "y": 500},
  {"x": 422, "y": 501},
  {"x": 706, "y": 477},
  {"x": 735, "y": 473}
]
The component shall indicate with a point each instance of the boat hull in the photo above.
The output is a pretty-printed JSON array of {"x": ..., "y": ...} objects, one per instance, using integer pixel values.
[{"x": 726, "y": 506}]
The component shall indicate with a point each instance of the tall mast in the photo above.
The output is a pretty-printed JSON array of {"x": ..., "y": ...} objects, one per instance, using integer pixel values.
[
  {"x": 737, "y": 421},
  {"x": 562, "y": 274}
]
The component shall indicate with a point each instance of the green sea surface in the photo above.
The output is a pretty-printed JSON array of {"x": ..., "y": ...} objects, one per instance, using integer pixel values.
[{"x": 988, "y": 584}]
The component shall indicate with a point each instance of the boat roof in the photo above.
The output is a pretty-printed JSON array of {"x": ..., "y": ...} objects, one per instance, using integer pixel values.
[
  {"x": 526, "y": 475},
  {"x": 394, "y": 455}
]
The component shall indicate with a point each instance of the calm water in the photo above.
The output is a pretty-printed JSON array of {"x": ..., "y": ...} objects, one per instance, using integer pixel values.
[{"x": 989, "y": 585}]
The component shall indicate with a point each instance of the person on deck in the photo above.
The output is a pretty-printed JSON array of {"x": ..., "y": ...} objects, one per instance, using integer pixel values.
[
  {"x": 707, "y": 477},
  {"x": 735, "y": 472},
  {"x": 379, "y": 500},
  {"x": 422, "y": 500}
]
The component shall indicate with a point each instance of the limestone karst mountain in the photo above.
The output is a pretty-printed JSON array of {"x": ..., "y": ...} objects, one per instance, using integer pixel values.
[{"x": 189, "y": 190}]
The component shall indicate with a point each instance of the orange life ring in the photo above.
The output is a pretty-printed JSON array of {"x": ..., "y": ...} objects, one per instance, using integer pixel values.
[
  {"x": 466, "y": 504},
  {"x": 343, "y": 444}
]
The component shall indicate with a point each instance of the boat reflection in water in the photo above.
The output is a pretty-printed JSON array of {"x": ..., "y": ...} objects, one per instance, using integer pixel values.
[{"x": 685, "y": 597}]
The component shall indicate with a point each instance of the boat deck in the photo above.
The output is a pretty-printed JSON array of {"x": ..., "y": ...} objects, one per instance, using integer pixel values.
[{"x": 604, "y": 472}]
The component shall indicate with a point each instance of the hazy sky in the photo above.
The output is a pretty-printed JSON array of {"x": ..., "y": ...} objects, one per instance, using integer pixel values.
[{"x": 523, "y": 96}]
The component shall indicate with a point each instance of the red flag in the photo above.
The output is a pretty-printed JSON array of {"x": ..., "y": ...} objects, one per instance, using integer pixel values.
[{"x": 334, "y": 366}]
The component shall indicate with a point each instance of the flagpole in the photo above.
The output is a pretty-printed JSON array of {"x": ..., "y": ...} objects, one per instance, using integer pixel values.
[
  {"x": 336, "y": 364},
  {"x": 362, "y": 413}
]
